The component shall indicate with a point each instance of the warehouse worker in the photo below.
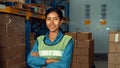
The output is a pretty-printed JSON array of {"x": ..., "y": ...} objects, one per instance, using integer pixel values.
[{"x": 53, "y": 50}]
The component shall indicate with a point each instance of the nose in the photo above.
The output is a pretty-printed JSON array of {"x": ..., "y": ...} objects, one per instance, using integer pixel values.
[{"x": 51, "y": 21}]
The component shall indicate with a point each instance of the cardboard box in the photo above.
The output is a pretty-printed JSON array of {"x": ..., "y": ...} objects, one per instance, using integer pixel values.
[
  {"x": 114, "y": 36},
  {"x": 32, "y": 35},
  {"x": 84, "y": 35},
  {"x": 75, "y": 43},
  {"x": 85, "y": 59},
  {"x": 13, "y": 62},
  {"x": 12, "y": 30},
  {"x": 73, "y": 34},
  {"x": 85, "y": 65},
  {"x": 7, "y": 19},
  {"x": 75, "y": 65},
  {"x": 3, "y": 20},
  {"x": 75, "y": 48},
  {"x": 113, "y": 65},
  {"x": 12, "y": 23},
  {"x": 74, "y": 59},
  {"x": 23, "y": 65},
  {"x": 12, "y": 52},
  {"x": 31, "y": 44},
  {"x": 84, "y": 51},
  {"x": 85, "y": 44},
  {"x": 114, "y": 58},
  {"x": 81, "y": 51},
  {"x": 114, "y": 47},
  {"x": 75, "y": 51},
  {"x": 18, "y": 5},
  {"x": 11, "y": 41}
]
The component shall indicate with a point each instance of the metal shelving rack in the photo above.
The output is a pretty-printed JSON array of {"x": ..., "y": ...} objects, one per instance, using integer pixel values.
[
  {"x": 22, "y": 12},
  {"x": 28, "y": 15},
  {"x": 55, "y": 3}
]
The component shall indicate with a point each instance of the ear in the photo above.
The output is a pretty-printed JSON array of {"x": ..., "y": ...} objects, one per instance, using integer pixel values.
[{"x": 61, "y": 22}]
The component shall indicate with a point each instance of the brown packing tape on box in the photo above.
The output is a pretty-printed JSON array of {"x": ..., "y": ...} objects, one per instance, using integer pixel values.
[
  {"x": 84, "y": 35},
  {"x": 114, "y": 36},
  {"x": 113, "y": 65},
  {"x": 12, "y": 52},
  {"x": 85, "y": 44},
  {"x": 114, "y": 47},
  {"x": 73, "y": 34},
  {"x": 13, "y": 62},
  {"x": 114, "y": 58}
]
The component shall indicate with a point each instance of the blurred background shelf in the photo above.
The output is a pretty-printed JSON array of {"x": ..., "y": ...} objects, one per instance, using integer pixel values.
[{"x": 22, "y": 12}]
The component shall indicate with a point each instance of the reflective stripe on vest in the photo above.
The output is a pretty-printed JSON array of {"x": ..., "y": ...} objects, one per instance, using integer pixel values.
[
  {"x": 55, "y": 51},
  {"x": 50, "y": 53}
]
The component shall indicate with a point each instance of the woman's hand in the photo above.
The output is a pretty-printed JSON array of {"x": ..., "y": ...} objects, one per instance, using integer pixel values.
[
  {"x": 51, "y": 61},
  {"x": 43, "y": 66},
  {"x": 35, "y": 54}
]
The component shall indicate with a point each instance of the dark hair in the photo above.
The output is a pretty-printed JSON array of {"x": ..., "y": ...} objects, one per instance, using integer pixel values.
[{"x": 58, "y": 11}]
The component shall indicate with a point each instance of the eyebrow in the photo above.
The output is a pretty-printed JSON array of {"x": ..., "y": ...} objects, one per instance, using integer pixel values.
[{"x": 53, "y": 17}]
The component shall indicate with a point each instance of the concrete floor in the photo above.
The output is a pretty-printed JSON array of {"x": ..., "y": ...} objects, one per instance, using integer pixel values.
[
  {"x": 101, "y": 61},
  {"x": 101, "y": 64}
]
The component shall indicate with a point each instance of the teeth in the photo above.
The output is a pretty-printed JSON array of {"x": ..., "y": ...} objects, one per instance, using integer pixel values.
[{"x": 52, "y": 26}]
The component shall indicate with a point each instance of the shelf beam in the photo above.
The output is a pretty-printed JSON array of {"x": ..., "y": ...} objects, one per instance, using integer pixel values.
[
  {"x": 60, "y": 2},
  {"x": 22, "y": 12}
]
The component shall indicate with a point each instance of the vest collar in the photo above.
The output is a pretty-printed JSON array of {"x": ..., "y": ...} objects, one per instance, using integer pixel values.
[{"x": 58, "y": 38}]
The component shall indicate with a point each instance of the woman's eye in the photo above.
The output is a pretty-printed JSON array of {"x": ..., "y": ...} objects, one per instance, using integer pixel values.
[
  {"x": 48, "y": 18},
  {"x": 55, "y": 19}
]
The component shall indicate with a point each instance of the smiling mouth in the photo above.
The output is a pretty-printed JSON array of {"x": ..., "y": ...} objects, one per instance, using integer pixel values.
[{"x": 52, "y": 27}]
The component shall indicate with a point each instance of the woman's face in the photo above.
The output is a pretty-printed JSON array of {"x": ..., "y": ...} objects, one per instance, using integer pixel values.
[{"x": 53, "y": 21}]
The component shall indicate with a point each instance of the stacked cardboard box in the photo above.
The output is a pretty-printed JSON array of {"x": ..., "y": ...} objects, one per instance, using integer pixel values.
[
  {"x": 83, "y": 55},
  {"x": 114, "y": 50},
  {"x": 32, "y": 40},
  {"x": 12, "y": 0},
  {"x": 12, "y": 41}
]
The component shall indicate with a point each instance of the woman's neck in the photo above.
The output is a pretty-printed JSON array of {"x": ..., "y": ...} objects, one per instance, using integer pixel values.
[{"x": 53, "y": 35}]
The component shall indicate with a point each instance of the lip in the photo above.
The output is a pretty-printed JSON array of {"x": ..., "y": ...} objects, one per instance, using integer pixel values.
[{"x": 52, "y": 26}]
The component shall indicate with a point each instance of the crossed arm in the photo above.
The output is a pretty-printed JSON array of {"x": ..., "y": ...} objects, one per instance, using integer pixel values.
[
  {"x": 35, "y": 61},
  {"x": 48, "y": 61}
]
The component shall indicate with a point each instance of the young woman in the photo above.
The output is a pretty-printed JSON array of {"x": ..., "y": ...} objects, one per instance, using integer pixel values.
[{"x": 53, "y": 50}]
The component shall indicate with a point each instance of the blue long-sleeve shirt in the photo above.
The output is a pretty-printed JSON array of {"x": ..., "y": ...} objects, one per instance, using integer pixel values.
[{"x": 38, "y": 62}]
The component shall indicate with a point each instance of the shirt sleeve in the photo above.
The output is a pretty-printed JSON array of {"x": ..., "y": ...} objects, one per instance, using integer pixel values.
[
  {"x": 66, "y": 58},
  {"x": 35, "y": 62}
]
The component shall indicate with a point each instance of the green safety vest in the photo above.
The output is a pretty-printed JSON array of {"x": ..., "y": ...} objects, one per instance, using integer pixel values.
[{"x": 54, "y": 51}]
